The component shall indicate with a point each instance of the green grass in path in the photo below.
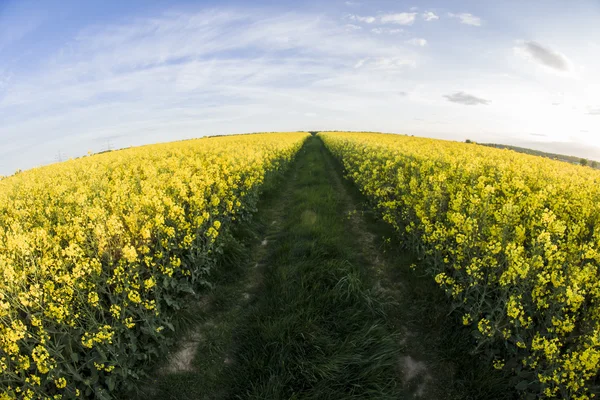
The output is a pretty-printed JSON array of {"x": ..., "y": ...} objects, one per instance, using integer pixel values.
[{"x": 317, "y": 329}]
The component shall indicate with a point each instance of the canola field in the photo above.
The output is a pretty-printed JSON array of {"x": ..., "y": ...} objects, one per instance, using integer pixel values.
[
  {"x": 97, "y": 253},
  {"x": 513, "y": 239}
]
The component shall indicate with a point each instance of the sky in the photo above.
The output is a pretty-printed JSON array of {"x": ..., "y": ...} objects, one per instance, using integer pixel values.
[{"x": 80, "y": 76}]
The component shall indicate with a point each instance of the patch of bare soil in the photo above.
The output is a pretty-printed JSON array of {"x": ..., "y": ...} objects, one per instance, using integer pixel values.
[{"x": 181, "y": 360}]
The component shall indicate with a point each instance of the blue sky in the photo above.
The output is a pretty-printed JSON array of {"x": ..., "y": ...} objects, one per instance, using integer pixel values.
[{"x": 82, "y": 76}]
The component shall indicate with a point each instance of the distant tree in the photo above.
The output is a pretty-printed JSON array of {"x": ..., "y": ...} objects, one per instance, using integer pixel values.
[
  {"x": 594, "y": 164},
  {"x": 468, "y": 141},
  {"x": 583, "y": 162}
]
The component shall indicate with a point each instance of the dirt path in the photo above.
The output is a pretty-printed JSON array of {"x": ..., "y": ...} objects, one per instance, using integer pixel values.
[
  {"x": 318, "y": 330},
  {"x": 319, "y": 306}
]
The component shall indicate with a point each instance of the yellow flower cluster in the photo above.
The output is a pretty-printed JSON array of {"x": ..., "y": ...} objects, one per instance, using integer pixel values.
[
  {"x": 95, "y": 252},
  {"x": 513, "y": 239}
]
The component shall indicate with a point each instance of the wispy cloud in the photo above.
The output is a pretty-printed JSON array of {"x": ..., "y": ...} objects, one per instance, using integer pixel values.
[
  {"x": 466, "y": 18},
  {"x": 17, "y": 20},
  {"x": 399, "y": 18},
  {"x": 151, "y": 76},
  {"x": 358, "y": 18},
  {"x": 389, "y": 31},
  {"x": 466, "y": 99},
  {"x": 5, "y": 77},
  {"x": 386, "y": 63},
  {"x": 429, "y": 16},
  {"x": 10, "y": 35},
  {"x": 394, "y": 63},
  {"x": 191, "y": 74},
  {"x": 417, "y": 42},
  {"x": 352, "y": 27},
  {"x": 544, "y": 56},
  {"x": 593, "y": 111},
  {"x": 360, "y": 63}
]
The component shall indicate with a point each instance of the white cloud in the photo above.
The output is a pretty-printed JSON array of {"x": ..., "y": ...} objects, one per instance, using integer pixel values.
[
  {"x": 358, "y": 18},
  {"x": 467, "y": 18},
  {"x": 429, "y": 16},
  {"x": 543, "y": 55},
  {"x": 4, "y": 78},
  {"x": 388, "y": 31},
  {"x": 360, "y": 63},
  {"x": 393, "y": 63},
  {"x": 466, "y": 99},
  {"x": 400, "y": 18},
  {"x": 417, "y": 42},
  {"x": 352, "y": 27},
  {"x": 386, "y": 63}
]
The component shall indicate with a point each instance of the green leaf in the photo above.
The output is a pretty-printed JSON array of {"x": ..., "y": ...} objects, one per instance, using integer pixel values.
[
  {"x": 522, "y": 385},
  {"x": 185, "y": 287},
  {"x": 101, "y": 394}
]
